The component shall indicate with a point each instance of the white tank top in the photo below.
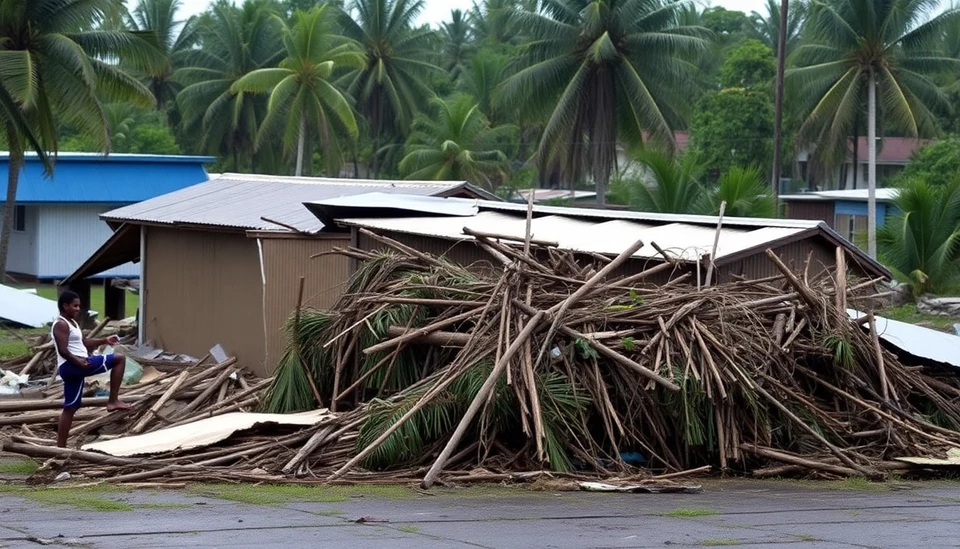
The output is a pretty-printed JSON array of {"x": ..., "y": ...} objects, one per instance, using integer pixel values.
[{"x": 74, "y": 341}]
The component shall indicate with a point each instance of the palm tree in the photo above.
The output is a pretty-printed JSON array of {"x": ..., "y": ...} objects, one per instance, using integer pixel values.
[
  {"x": 54, "y": 71},
  {"x": 457, "y": 45},
  {"x": 858, "y": 48},
  {"x": 494, "y": 21},
  {"x": 301, "y": 91},
  {"x": 236, "y": 41},
  {"x": 174, "y": 38},
  {"x": 393, "y": 85},
  {"x": 604, "y": 71},
  {"x": 744, "y": 190},
  {"x": 765, "y": 26},
  {"x": 671, "y": 185},
  {"x": 455, "y": 142},
  {"x": 483, "y": 79},
  {"x": 921, "y": 244}
]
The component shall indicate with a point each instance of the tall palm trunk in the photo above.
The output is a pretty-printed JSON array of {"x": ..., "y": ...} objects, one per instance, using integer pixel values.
[
  {"x": 872, "y": 166},
  {"x": 301, "y": 142},
  {"x": 9, "y": 205}
]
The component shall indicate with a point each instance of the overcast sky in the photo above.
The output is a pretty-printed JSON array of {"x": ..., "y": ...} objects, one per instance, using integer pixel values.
[{"x": 437, "y": 11}]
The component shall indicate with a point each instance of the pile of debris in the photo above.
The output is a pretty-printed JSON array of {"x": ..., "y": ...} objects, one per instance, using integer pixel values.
[{"x": 545, "y": 362}]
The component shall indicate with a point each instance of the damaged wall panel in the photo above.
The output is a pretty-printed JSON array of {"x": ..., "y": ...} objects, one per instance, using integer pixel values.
[
  {"x": 285, "y": 260},
  {"x": 203, "y": 288}
]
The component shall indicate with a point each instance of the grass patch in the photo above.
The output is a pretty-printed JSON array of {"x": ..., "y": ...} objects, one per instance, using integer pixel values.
[
  {"x": 720, "y": 542},
  {"x": 19, "y": 467},
  {"x": 329, "y": 512},
  {"x": 276, "y": 494},
  {"x": 78, "y": 499},
  {"x": 688, "y": 513},
  {"x": 806, "y": 537},
  {"x": 163, "y": 505},
  {"x": 409, "y": 529},
  {"x": 909, "y": 313}
]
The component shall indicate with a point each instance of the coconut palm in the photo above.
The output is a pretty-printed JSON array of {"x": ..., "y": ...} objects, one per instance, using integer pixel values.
[
  {"x": 54, "y": 71},
  {"x": 857, "y": 49},
  {"x": 921, "y": 244},
  {"x": 236, "y": 41},
  {"x": 302, "y": 96},
  {"x": 604, "y": 71},
  {"x": 455, "y": 142},
  {"x": 482, "y": 81},
  {"x": 393, "y": 85},
  {"x": 173, "y": 37},
  {"x": 765, "y": 26},
  {"x": 670, "y": 185},
  {"x": 744, "y": 190},
  {"x": 457, "y": 45}
]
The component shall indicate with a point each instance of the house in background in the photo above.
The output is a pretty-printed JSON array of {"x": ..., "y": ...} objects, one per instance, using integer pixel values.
[
  {"x": 843, "y": 211},
  {"x": 57, "y": 222},
  {"x": 893, "y": 153}
]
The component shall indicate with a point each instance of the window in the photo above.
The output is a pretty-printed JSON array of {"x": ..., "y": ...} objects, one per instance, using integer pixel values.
[{"x": 20, "y": 218}]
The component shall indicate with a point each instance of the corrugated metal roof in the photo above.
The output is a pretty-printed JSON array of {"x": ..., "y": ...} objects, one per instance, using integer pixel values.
[
  {"x": 684, "y": 241},
  {"x": 239, "y": 201},
  {"x": 115, "y": 179},
  {"x": 856, "y": 195},
  {"x": 916, "y": 340},
  {"x": 658, "y": 218}
]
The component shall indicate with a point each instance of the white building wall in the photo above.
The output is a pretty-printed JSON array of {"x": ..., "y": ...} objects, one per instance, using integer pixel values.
[
  {"x": 24, "y": 245},
  {"x": 69, "y": 234}
]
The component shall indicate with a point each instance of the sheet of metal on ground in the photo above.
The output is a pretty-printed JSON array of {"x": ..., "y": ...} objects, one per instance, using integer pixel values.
[
  {"x": 916, "y": 340},
  {"x": 201, "y": 433},
  {"x": 23, "y": 307}
]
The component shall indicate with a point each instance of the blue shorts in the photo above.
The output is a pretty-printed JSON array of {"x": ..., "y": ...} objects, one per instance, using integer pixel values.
[{"x": 73, "y": 376}]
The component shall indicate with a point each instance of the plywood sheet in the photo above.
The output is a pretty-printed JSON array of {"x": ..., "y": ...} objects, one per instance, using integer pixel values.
[{"x": 201, "y": 433}]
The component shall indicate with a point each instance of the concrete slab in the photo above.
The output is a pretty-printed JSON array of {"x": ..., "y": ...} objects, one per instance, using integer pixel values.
[{"x": 747, "y": 514}]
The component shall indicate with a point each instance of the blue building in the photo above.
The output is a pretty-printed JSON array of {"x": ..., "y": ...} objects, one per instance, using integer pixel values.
[
  {"x": 844, "y": 211},
  {"x": 57, "y": 222}
]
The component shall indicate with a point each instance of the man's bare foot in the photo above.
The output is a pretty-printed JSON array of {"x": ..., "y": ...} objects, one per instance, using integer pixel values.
[{"x": 117, "y": 405}]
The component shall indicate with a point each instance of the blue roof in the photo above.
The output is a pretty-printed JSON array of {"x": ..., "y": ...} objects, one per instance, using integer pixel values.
[{"x": 113, "y": 179}]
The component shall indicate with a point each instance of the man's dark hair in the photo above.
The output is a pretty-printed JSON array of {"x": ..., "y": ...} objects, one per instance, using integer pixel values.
[{"x": 66, "y": 298}]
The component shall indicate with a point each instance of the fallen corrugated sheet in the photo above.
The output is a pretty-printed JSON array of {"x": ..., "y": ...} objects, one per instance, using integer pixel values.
[
  {"x": 201, "y": 433},
  {"x": 917, "y": 341},
  {"x": 26, "y": 308},
  {"x": 684, "y": 241}
]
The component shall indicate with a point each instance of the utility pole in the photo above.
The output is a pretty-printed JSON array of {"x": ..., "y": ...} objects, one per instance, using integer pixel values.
[{"x": 778, "y": 112}]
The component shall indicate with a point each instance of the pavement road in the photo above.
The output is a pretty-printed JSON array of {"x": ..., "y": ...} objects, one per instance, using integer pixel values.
[{"x": 727, "y": 513}]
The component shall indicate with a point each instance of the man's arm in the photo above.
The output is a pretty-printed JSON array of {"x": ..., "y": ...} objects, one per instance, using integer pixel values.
[
  {"x": 95, "y": 343},
  {"x": 61, "y": 333}
]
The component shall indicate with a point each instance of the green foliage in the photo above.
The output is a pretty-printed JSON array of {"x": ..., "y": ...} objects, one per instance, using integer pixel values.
[
  {"x": 733, "y": 127},
  {"x": 846, "y": 42},
  {"x": 236, "y": 41},
  {"x": 391, "y": 86},
  {"x": 673, "y": 185},
  {"x": 920, "y": 245},
  {"x": 842, "y": 351},
  {"x": 172, "y": 37},
  {"x": 746, "y": 193},
  {"x": 765, "y": 26},
  {"x": 457, "y": 143},
  {"x": 603, "y": 73},
  {"x": 303, "y": 100},
  {"x": 728, "y": 24},
  {"x": 935, "y": 163},
  {"x": 750, "y": 65}
]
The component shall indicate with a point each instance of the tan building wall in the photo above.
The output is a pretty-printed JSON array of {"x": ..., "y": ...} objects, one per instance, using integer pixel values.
[
  {"x": 285, "y": 260},
  {"x": 202, "y": 288}
]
